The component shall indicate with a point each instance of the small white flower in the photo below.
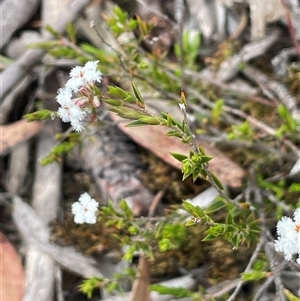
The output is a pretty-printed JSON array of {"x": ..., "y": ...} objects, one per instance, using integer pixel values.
[
  {"x": 182, "y": 107},
  {"x": 77, "y": 125},
  {"x": 64, "y": 113},
  {"x": 69, "y": 110},
  {"x": 77, "y": 71},
  {"x": 91, "y": 73},
  {"x": 297, "y": 218},
  {"x": 64, "y": 96},
  {"x": 75, "y": 83},
  {"x": 81, "y": 76},
  {"x": 85, "y": 209},
  {"x": 288, "y": 241}
]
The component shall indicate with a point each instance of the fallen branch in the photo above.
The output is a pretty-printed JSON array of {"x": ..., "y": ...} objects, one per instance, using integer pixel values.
[
  {"x": 22, "y": 66},
  {"x": 14, "y": 14}
]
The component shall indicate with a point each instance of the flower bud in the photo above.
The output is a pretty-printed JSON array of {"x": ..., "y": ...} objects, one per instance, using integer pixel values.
[
  {"x": 81, "y": 102},
  {"x": 96, "y": 102},
  {"x": 85, "y": 91}
]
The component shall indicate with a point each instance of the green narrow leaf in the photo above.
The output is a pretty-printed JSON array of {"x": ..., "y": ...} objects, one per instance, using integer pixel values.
[
  {"x": 126, "y": 209},
  {"x": 202, "y": 151},
  {"x": 174, "y": 133},
  {"x": 178, "y": 292},
  {"x": 195, "y": 174},
  {"x": 205, "y": 159},
  {"x": 209, "y": 237},
  {"x": 110, "y": 205},
  {"x": 135, "y": 123},
  {"x": 48, "y": 45},
  {"x": 71, "y": 31},
  {"x": 128, "y": 256},
  {"x": 55, "y": 33},
  {"x": 215, "y": 206},
  {"x": 190, "y": 223},
  {"x": 142, "y": 26},
  {"x": 89, "y": 285},
  {"x": 229, "y": 219},
  {"x": 130, "y": 99},
  {"x": 121, "y": 14},
  {"x": 164, "y": 115},
  {"x": 235, "y": 241},
  {"x": 125, "y": 112},
  {"x": 179, "y": 157},
  {"x": 117, "y": 91},
  {"x": 132, "y": 24},
  {"x": 138, "y": 95},
  {"x": 149, "y": 252},
  {"x": 151, "y": 120},
  {"x": 186, "y": 174},
  {"x": 217, "y": 181},
  {"x": 40, "y": 115},
  {"x": 169, "y": 120},
  {"x": 291, "y": 296},
  {"x": 196, "y": 211},
  {"x": 254, "y": 275},
  {"x": 112, "y": 101}
]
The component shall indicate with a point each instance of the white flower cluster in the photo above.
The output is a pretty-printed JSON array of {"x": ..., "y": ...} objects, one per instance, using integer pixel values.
[
  {"x": 288, "y": 241},
  {"x": 85, "y": 209},
  {"x": 81, "y": 84}
]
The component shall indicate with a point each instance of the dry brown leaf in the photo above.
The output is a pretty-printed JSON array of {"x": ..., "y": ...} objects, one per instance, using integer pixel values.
[
  {"x": 154, "y": 139},
  {"x": 19, "y": 131},
  {"x": 11, "y": 272},
  {"x": 140, "y": 289}
]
